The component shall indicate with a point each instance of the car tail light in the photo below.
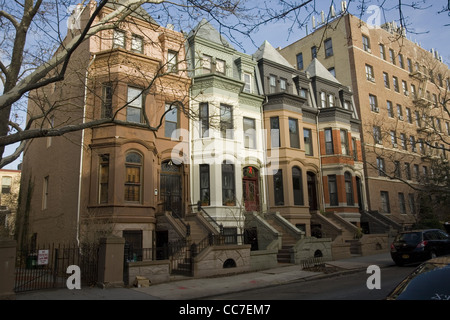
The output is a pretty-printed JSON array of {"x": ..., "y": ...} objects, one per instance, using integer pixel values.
[
  {"x": 393, "y": 248},
  {"x": 422, "y": 244}
]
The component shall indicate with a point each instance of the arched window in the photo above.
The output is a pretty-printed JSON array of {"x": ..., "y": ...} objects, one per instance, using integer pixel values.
[
  {"x": 297, "y": 185},
  {"x": 133, "y": 177},
  {"x": 349, "y": 188}
]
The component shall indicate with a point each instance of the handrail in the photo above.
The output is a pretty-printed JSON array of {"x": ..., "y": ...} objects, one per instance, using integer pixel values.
[{"x": 200, "y": 208}]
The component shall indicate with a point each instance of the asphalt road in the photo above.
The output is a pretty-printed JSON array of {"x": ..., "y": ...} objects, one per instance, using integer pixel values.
[{"x": 342, "y": 287}]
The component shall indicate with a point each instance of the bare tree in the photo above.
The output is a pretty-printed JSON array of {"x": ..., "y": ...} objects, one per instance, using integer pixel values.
[{"x": 35, "y": 53}]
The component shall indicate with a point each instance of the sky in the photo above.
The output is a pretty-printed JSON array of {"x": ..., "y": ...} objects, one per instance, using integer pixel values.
[{"x": 427, "y": 29}]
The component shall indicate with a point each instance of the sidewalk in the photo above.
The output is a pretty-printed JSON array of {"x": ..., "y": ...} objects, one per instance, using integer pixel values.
[{"x": 187, "y": 289}]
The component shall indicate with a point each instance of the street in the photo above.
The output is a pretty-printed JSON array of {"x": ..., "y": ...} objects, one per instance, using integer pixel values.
[{"x": 341, "y": 287}]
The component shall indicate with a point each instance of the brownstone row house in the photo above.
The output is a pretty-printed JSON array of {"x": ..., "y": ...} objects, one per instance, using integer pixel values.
[
  {"x": 398, "y": 88},
  {"x": 112, "y": 178}
]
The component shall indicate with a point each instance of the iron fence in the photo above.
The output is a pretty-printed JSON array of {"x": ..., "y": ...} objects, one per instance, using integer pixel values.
[{"x": 45, "y": 266}]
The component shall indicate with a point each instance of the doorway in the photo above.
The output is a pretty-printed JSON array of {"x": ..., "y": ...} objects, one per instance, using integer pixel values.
[
  {"x": 171, "y": 188},
  {"x": 312, "y": 191},
  {"x": 250, "y": 189}
]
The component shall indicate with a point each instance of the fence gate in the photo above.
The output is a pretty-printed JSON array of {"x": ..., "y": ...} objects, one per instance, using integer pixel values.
[{"x": 45, "y": 267}]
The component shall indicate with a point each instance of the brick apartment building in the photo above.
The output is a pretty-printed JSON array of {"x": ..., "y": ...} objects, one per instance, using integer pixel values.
[{"x": 397, "y": 88}]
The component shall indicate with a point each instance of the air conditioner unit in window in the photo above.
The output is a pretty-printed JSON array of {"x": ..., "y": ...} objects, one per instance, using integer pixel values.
[
  {"x": 414, "y": 149},
  {"x": 376, "y": 109},
  {"x": 394, "y": 145},
  {"x": 400, "y": 118}
]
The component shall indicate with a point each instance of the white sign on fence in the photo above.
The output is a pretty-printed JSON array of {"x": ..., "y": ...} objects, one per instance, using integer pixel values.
[{"x": 42, "y": 257}]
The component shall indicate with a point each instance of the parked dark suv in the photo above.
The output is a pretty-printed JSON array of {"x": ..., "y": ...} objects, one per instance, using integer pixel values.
[{"x": 419, "y": 245}]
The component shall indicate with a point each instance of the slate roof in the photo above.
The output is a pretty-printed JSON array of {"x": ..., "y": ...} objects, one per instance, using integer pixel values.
[
  {"x": 267, "y": 51},
  {"x": 206, "y": 31},
  {"x": 316, "y": 69}
]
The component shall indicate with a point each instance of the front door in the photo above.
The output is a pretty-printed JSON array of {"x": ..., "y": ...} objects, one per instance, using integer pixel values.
[
  {"x": 312, "y": 191},
  {"x": 250, "y": 188},
  {"x": 171, "y": 188}
]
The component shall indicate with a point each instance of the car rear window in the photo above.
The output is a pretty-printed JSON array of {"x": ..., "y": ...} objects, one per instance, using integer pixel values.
[{"x": 410, "y": 237}]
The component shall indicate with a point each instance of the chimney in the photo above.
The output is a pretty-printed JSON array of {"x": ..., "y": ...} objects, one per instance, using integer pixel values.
[
  {"x": 333, "y": 13},
  {"x": 314, "y": 22}
]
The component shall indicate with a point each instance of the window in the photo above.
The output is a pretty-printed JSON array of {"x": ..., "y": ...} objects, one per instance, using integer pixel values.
[
  {"x": 172, "y": 61},
  {"x": 390, "y": 109},
  {"x": 399, "y": 112},
  {"x": 332, "y": 190},
  {"x": 386, "y": 80},
  {"x": 417, "y": 115},
  {"x": 275, "y": 132},
  {"x": 377, "y": 135},
  {"x": 134, "y": 108},
  {"x": 405, "y": 88},
  {"x": 397, "y": 169},
  {"x": 416, "y": 172},
  {"x": 382, "y": 52},
  {"x": 300, "y": 61},
  {"x": 249, "y": 133},
  {"x": 204, "y": 119},
  {"x": 297, "y": 186},
  {"x": 103, "y": 179},
  {"x": 330, "y": 100},
  {"x": 314, "y": 52},
  {"x": 438, "y": 125},
  {"x": 206, "y": 64},
  {"x": 137, "y": 44},
  {"x": 220, "y": 66},
  {"x": 118, "y": 39},
  {"x": 248, "y": 82},
  {"x": 171, "y": 121},
  {"x": 385, "y": 207},
  {"x": 272, "y": 84},
  {"x": 349, "y": 188},
  {"x": 228, "y": 184},
  {"x": 395, "y": 83},
  {"x": 412, "y": 141},
  {"x": 401, "y": 202},
  {"x": 278, "y": 187},
  {"x": 344, "y": 143},
  {"x": 403, "y": 141},
  {"x": 45, "y": 193},
  {"x": 133, "y": 168},
  {"x": 381, "y": 167},
  {"x": 393, "y": 139},
  {"x": 373, "y": 103},
  {"x": 323, "y": 99},
  {"x": 412, "y": 203},
  {"x": 293, "y": 133},
  {"x": 447, "y": 127},
  {"x": 226, "y": 121},
  {"x": 204, "y": 185},
  {"x": 369, "y": 73},
  {"x": 283, "y": 84},
  {"x": 107, "y": 94},
  {"x": 307, "y": 140},
  {"x": 408, "y": 115},
  {"x": 355, "y": 150},
  {"x": 6, "y": 185},
  {"x": 392, "y": 56},
  {"x": 328, "y": 48},
  {"x": 329, "y": 141},
  {"x": 407, "y": 171},
  {"x": 366, "y": 43},
  {"x": 400, "y": 61},
  {"x": 409, "y": 63},
  {"x": 413, "y": 91}
]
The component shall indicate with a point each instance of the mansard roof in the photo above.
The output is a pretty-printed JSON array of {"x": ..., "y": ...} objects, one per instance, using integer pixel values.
[
  {"x": 206, "y": 31},
  {"x": 316, "y": 69},
  {"x": 267, "y": 51}
]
